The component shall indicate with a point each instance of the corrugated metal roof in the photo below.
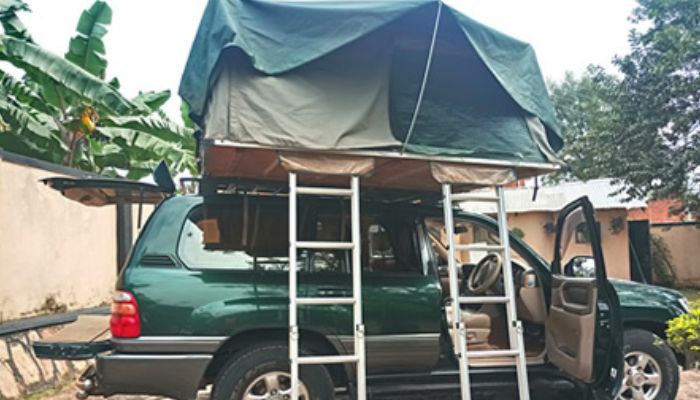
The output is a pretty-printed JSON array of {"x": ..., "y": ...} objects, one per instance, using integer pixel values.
[{"x": 601, "y": 192}]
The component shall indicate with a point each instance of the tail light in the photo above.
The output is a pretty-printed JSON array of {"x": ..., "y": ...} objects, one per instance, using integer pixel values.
[{"x": 126, "y": 319}]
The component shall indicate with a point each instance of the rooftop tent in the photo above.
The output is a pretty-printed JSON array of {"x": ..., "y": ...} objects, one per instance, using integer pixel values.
[{"x": 347, "y": 76}]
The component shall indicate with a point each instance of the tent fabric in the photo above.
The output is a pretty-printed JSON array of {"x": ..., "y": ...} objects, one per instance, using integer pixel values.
[
  {"x": 330, "y": 74},
  {"x": 293, "y": 110}
]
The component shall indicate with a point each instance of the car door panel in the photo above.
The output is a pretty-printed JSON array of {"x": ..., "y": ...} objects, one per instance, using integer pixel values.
[
  {"x": 571, "y": 326},
  {"x": 583, "y": 327},
  {"x": 401, "y": 301}
]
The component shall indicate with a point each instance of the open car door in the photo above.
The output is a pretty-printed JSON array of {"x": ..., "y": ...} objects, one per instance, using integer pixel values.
[{"x": 584, "y": 328}]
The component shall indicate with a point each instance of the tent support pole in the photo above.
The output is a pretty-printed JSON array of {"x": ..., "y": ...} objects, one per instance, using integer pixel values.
[{"x": 426, "y": 74}]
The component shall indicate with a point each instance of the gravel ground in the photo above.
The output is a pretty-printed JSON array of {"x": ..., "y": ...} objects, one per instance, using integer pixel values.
[
  {"x": 690, "y": 386},
  {"x": 690, "y": 390}
]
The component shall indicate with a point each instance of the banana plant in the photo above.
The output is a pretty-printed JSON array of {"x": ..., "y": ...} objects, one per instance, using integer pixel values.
[{"x": 63, "y": 110}]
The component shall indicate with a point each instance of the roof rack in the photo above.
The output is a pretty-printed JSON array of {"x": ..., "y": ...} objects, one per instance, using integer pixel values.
[{"x": 208, "y": 186}]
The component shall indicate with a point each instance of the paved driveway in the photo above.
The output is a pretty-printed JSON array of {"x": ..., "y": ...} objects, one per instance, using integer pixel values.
[{"x": 690, "y": 390}]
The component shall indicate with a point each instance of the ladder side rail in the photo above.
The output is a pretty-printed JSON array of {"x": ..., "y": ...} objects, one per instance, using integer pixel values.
[
  {"x": 359, "y": 328},
  {"x": 459, "y": 329},
  {"x": 515, "y": 328},
  {"x": 293, "y": 326}
]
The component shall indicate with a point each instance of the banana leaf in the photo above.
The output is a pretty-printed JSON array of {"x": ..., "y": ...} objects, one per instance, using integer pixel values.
[
  {"x": 87, "y": 49},
  {"x": 155, "y": 126},
  {"x": 9, "y": 20},
  {"x": 151, "y": 99},
  {"x": 43, "y": 65}
]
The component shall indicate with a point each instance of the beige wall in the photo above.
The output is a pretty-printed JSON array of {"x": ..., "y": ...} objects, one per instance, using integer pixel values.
[
  {"x": 51, "y": 249},
  {"x": 615, "y": 246},
  {"x": 683, "y": 242}
]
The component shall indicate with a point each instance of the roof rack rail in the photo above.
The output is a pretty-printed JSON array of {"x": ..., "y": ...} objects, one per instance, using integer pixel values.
[{"x": 207, "y": 186}]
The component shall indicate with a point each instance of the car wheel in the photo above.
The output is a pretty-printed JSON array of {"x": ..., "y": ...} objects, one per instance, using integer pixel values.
[
  {"x": 651, "y": 369},
  {"x": 263, "y": 373}
]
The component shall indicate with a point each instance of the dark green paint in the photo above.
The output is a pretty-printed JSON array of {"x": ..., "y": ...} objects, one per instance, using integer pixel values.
[{"x": 180, "y": 301}]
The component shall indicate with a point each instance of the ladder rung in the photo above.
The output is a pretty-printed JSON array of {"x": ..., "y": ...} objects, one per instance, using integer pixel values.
[
  {"x": 325, "y": 300},
  {"x": 315, "y": 360},
  {"x": 492, "y": 353},
  {"x": 326, "y": 245},
  {"x": 478, "y": 247},
  {"x": 485, "y": 198},
  {"x": 321, "y": 191},
  {"x": 483, "y": 300}
]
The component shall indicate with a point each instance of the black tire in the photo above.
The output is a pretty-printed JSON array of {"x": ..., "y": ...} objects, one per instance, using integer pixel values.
[
  {"x": 638, "y": 340},
  {"x": 245, "y": 367}
]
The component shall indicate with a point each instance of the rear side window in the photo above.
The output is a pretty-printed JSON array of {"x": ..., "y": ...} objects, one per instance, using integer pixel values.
[
  {"x": 240, "y": 235},
  {"x": 252, "y": 233}
]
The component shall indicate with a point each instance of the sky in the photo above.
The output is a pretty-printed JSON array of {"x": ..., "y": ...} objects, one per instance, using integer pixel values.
[{"x": 149, "y": 40}]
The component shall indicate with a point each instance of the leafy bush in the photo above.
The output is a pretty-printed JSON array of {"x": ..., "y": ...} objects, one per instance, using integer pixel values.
[{"x": 683, "y": 333}]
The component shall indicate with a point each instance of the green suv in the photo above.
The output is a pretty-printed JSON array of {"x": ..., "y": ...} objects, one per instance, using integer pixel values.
[{"x": 203, "y": 300}]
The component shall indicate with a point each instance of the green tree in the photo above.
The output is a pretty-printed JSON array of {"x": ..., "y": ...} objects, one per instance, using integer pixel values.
[
  {"x": 660, "y": 102},
  {"x": 588, "y": 110},
  {"x": 642, "y": 128},
  {"x": 63, "y": 111}
]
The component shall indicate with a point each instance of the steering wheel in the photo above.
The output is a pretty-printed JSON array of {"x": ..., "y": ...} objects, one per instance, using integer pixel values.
[{"x": 485, "y": 274}]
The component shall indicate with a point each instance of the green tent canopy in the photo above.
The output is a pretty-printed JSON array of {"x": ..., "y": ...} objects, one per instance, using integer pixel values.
[{"x": 346, "y": 75}]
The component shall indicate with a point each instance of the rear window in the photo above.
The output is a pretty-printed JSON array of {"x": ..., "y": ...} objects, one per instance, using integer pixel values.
[{"x": 241, "y": 235}]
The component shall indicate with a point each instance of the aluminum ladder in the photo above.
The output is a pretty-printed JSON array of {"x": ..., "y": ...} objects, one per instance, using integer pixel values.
[
  {"x": 515, "y": 330},
  {"x": 358, "y": 358}
]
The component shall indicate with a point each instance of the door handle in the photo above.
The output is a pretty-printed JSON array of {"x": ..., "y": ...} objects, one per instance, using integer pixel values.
[{"x": 330, "y": 292}]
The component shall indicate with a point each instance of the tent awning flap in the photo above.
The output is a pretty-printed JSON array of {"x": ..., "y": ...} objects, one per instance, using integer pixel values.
[
  {"x": 345, "y": 75},
  {"x": 326, "y": 164},
  {"x": 458, "y": 174}
]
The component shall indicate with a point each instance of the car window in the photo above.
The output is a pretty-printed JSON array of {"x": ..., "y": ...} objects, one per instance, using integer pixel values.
[
  {"x": 388, "y": 245},
  {"x": 240, "y": 235},
  {"x": 248, "y": 234},
  {"x": 468, "y": 232},
  {"x": 576, "y": 249}
]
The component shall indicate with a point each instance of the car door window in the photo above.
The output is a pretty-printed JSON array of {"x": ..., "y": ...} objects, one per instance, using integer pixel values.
[
  {"x": 575, "y": 253},
  {"x": 389, "y": 245}
]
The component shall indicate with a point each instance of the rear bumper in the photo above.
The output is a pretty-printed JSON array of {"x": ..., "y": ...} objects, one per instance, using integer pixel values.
[{"x": 174, "y": 376}]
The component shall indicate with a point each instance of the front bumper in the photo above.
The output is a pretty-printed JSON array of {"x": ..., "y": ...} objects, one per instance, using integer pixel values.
[{"x": 174, "y": 376}]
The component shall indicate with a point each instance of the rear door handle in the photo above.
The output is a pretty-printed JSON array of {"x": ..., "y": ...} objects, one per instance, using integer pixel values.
[{"x": 329, "y": 292}]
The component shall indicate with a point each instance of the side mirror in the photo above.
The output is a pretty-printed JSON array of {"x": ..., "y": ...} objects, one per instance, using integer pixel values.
[{"x": 580, "y": 267}]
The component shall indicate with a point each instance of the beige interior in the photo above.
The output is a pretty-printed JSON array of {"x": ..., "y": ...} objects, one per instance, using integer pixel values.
[
  {"x": 487, "y": 327},
  {"x": 478, "y": 325},
  {"x": 531, "y": 305},
  {"x": 571, "y": 325}
]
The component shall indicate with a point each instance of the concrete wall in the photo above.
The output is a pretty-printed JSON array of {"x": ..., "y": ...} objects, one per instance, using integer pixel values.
[
  {"x": 683, "y": 241},
  {"x": 615, "y": 245},
  {"x": 55, "y": 254}
]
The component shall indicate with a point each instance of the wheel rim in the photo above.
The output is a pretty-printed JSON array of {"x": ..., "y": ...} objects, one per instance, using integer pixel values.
[
  {"x": 274, "y": 385},
  {"x": 643, "y": 379}
]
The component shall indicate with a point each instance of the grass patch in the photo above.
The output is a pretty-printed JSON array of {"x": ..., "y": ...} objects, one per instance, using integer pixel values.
[{"x": 60, "y": 387}]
